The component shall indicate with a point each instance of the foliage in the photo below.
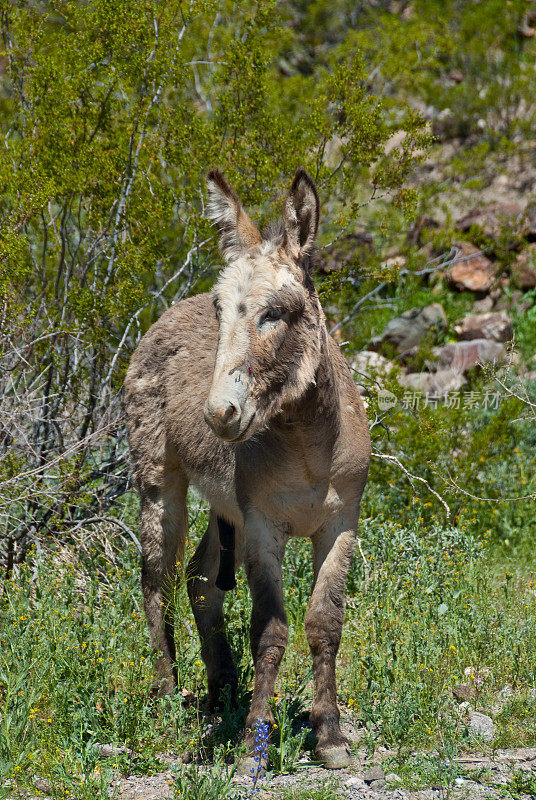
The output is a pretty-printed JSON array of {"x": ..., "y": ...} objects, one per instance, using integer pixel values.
[{"x": 110, "y": 116}]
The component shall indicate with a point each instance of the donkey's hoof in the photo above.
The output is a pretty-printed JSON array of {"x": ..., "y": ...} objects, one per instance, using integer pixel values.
[
  {"x": 252, "y": 767},
  {"x": 335, "y": 757}
]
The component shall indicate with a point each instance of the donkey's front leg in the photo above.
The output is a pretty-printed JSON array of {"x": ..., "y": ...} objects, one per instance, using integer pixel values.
[
  {"x": 264, "y": 550},
  {"x": 333, "y": 550}
]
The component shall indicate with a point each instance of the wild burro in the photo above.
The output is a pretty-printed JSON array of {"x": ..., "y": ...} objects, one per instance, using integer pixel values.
[{"x": 242, "y": 393}]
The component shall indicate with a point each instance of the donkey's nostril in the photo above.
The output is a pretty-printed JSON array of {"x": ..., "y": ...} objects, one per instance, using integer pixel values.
[{"x": 230, "y": 412}]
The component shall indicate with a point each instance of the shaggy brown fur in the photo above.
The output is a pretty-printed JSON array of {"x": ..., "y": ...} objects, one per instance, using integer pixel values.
[{"x": 242, "y": 393}]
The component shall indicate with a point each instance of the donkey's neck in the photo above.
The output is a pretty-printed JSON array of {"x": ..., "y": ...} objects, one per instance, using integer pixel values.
[{"x": 319, "y": 405}]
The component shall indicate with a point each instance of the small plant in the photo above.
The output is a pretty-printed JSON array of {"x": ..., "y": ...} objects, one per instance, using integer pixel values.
[
  {"x": 284, "y": 756},
  {"x": 213, "y": 782}
]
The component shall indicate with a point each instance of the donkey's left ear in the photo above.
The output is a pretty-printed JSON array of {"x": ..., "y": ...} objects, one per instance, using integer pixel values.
[
  {"x": 300, "y": 215},
  {"x": 237, "y": 231}
]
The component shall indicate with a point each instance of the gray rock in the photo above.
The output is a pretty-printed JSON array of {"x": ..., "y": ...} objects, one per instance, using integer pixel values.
[
  {"x": 375, "y": 773},
  {"x": 368, "y": 366},
  {"x": 408, "y": 330},
  {"x": 483, "y": 305},
  {"x": 482, "y": 725},
  {"x": 495, "y": 325},
  {"x": 392, "y": 777},
  {"x": 438, "y": 383},
  {"x": 378, "y": 784},
  {"x": 356, "y": 782},
  {"x": 493, "y": 218}
]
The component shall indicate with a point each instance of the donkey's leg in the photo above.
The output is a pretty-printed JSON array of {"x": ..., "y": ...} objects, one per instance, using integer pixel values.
[
  {"x": 207, "y": 605},
  {"x": 333, "y": 550},
  {"x": 163, "y": 528},
  {"x": 264, "y": 550}
]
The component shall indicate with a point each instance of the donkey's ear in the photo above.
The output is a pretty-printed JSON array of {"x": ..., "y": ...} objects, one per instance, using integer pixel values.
[
  {"x": 237, "y": 231},
  {"x": 300, "y": 215}
]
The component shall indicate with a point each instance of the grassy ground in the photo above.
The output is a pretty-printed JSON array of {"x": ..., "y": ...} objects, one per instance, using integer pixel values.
[{"x": 428, "y": 608}]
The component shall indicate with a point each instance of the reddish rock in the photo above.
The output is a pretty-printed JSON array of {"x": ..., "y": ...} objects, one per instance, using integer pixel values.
[
  {"x": 495, "y": 325},
  {"x": 461, "y": 356},
  {"x": 491, "y": 219},
  {"x": 523, "y": 269},
  {"x": 471, "y": 270},
  {"x": 463, "y": 692}
]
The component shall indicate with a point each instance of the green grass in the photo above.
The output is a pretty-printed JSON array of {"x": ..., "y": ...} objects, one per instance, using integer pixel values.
[{"x": 431, "y": 604}]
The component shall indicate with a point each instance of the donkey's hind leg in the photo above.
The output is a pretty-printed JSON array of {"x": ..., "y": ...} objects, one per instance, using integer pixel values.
[
  {"x": 163, "y": 528},
  {"x": 207, "y": 605},
  {"x": 333, "y": 550}
]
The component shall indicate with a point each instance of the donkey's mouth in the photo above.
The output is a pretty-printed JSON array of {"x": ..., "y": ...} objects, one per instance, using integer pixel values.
[{"x": 242, "y": 436}]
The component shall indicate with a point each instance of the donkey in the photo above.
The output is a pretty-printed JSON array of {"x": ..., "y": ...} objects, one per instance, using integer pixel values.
[{"x": 242, "y": 392}]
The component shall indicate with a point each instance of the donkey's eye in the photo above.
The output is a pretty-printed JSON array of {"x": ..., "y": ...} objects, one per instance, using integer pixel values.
[{"x": 272, "y": 315}]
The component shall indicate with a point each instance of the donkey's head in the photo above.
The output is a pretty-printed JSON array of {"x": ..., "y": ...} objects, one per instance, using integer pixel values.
[{"x": 271, "y": 325}]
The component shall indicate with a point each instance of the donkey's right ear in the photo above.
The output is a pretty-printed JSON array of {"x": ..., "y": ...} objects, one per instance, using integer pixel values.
[{"x": 237, "y": 231}]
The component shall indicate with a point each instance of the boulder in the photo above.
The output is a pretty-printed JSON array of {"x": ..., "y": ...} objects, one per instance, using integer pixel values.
[
  {"x": 461, "y": 356},
  {"x": 483, "y": 305},
  {"x": 491, "y": 219},
  {"x": 471, "y": 269},
  {"x": 482, "y": 725},
  {"x": 375, "y": 773},
  {"x": 368, "y": 365},
  {"x": 528, "y": 223},
  {"x": 439, "y": 383},
  {"x": 495, "y": 325},
  {"x": 523, "y": 270},
  {"x": 463, "y": 692},
  {"x": 408, "y": 330}
]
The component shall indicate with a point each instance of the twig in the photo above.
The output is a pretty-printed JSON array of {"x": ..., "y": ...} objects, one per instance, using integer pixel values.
[{"x": 411, "y": 477}]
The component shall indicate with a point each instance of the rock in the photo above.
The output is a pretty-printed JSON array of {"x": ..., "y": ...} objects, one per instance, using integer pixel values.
[
  {"x": 528, "y": 223},
  {"x": 355, "y": 782},
  {"x": 439, "y": 383},
  {"x": 110, "y": 750},
  {"x": 367, "y": 365},
  {"x": 471, "y": 269},
  {"x": 392, "y": 777},
  {"x": 461, "y": 356},
  {"x": 523, "y": 270},
  {"x": 346, "y": 251},
  {"x": 42, "y": 785},
  {"x": 491, "y": 219},
  {"x": 378, "y": 784},
  {"x": 527, "y": 29},
  {"x": 495, "y": 325},
  {"x": 463, "y": 692},
  {"x": 482, "y": 725},
  {"x": 483, "y": 305},
  {"x": 375, "y": 773},
  {"x": 409, "y": 328}
]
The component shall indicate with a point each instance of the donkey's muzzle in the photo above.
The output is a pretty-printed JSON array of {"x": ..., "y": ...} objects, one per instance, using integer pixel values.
[{"x": 225, "y": 418}]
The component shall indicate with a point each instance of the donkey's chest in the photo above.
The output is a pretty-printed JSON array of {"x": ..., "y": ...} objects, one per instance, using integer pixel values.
[{"x": 296, "y": 491}]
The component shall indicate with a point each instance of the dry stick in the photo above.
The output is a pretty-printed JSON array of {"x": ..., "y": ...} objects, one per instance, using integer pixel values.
[
  {"x": 451, "y": 482},
  {"x": 113, "y": 521},
  {"x": 412, "y": 477},
  {"x": 59, "y": 457}
]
